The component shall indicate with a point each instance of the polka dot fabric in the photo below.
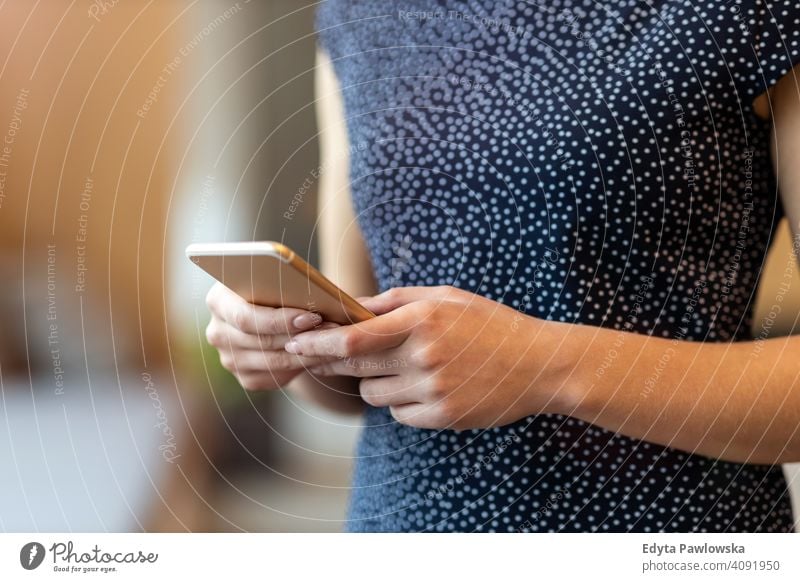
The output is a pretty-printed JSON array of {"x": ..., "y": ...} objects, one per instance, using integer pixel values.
[{"x": 586, "y": 162}]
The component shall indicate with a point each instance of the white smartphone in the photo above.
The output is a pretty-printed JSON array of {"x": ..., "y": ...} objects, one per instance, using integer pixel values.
[{"x": 269, "y": 273}]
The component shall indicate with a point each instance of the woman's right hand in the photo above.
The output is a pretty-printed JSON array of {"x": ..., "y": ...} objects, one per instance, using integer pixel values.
[{"x": 251, "y": 339}]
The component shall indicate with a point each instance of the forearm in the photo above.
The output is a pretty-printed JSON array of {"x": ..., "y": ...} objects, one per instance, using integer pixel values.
[
  {"x": 734, "y": 401},
  {"x": 336, "y": 393}
]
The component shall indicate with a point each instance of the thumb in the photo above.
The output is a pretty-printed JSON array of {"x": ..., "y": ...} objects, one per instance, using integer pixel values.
[{"x": 399, "y": 296}]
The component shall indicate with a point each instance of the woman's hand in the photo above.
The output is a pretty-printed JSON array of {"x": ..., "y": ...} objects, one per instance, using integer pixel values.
[
  {"x": 251, "y": 339},
  {"x": 445, "y": 358}
]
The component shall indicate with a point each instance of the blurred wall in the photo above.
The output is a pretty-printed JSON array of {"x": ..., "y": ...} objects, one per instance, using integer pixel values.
[
  {"x": 87, "y": 179},
  {"x": 95, "y": 435},
  {"x": 252, "y": 148},
  {"x": 252, "y": 141}
]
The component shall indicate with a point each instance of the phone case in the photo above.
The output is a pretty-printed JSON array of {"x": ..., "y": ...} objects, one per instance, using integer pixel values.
[{"x": 271, "y": 274}]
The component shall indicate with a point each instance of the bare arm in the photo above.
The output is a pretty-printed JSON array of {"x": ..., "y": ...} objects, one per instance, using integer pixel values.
[
  {"x": 343, "y": 254},
  {"x": 739, "y": 401}
]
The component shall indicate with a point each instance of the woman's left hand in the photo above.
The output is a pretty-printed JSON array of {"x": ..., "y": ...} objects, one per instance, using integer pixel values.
[{"x": 441, "y": 357}]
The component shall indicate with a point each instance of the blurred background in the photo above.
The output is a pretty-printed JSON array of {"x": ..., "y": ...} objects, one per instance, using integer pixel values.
[{"x": 131, "y": 128}]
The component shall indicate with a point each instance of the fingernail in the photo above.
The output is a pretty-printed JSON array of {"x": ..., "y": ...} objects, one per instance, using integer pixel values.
[
  {"x": 307, "y": 321},
  {"x": 293, "y": 347}
]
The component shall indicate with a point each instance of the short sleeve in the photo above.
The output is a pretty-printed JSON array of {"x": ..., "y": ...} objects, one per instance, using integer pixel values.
[{"x": 776, "y": 41}]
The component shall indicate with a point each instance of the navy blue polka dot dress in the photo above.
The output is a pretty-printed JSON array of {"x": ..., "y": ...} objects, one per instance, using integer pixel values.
[{"x": 582, "y": 161}]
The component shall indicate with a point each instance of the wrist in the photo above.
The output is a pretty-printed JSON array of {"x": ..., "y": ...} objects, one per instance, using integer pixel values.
[
  {"x": 567, "y": 353},
  {"x": 601, "y": 369}
]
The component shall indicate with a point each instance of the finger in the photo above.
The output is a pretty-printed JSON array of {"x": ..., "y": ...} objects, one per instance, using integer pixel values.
[
  {"x": 264, "y": 380},
  {"x": 417, "y": 415},
  {"x": 374, "y": 335},
  {"x": 257, "y": 319},
  {"x": 223, "y": 335},
  {"x": 388, "y": 391},
  {"x": 400, "y": 296},
  {"x": 368, "y": 366},
  {"x": 251, "y": 361}
]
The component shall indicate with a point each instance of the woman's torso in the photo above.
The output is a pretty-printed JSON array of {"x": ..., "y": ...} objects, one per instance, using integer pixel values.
[{"x": 580, "y": 162}]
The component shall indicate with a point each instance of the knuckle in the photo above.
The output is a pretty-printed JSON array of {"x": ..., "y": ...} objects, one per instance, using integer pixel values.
[
  {"x": 227, "y": 360},
  {"x": 393, "y": 294},
  {"x": 444, "y": 290},
  {"x": 269, "y": 343},
  {"x": 280, "y": 361},
  {"x": 372, "y": 398},
  {"x": 213, "y": 335},
  {"x": 239, "y": 319},
  {"x": 247, "y": 382},
  {"x": 353, "y": 368},
  {"x": 282, "y": 323},
  {"x": 439, "y": 310},
  {"x": 271, "y": 324},
  {"x": 445, "y": 414},
  {"x": 323, "y": 369},
  {"x": 426, "y": 358},
  {"x": 426, "y": 314},
  {"x": 437, "y": 388},
  {"x": 350, "y": 344},
  {"x": 254, "y": 382},
  {"x": 398, "y": 416}
]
